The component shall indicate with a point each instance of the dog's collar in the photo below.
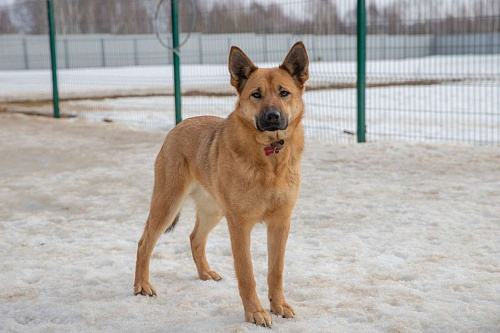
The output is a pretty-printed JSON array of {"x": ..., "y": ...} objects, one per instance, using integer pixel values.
[{"x": 274, "y": 148}]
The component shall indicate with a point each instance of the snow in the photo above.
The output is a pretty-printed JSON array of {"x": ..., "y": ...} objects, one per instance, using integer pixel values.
[
  {"x": 398, "y": 237},
  {"x": 153, "y": 80},
  {"x": 447, "y": 112}
]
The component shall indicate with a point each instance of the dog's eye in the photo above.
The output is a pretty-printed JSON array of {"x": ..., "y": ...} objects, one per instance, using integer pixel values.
[
  {"x": 256, "y": 95},
  {"x": 284, "y": 93}
]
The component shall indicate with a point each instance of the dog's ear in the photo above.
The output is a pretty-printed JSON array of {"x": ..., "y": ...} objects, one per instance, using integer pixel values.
[
  {"x": 296, "y": 63},
  {"x": 240, "y": 68}
]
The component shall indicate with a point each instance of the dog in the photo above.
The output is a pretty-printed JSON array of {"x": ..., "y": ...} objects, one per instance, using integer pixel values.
[{"x": 245, "y": 168}]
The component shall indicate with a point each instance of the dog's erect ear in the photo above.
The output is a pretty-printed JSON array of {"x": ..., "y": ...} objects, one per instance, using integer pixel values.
[
  {"x": 297, "y": 63},
  {"x": 240, "y": 68}
]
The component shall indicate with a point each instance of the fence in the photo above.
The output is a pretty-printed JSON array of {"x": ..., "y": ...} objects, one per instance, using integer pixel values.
[
  {"x": 432, "y": 70},
  {"x": 103, "y": 50}
]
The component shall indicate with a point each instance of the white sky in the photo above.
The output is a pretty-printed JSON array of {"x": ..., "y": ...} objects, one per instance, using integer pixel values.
[{"x": 298, "y": 7}]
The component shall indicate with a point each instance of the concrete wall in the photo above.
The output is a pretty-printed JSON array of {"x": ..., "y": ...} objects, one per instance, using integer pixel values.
[
  {"x": 486, "y": 43},
  {"x": 77, "y": 51}
]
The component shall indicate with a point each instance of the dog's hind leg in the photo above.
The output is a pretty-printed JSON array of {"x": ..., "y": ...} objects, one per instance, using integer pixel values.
[
  {"x": 207, "y": 217},
  {"x": 171, "y": 185}
]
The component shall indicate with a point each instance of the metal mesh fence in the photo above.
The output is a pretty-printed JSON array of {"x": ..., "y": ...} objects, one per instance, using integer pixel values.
[
  {"x": 433, "y": 67},
  {"x": 451, "y": 91}
]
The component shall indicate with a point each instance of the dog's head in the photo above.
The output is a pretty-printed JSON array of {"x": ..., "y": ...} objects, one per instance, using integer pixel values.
[{"x": 270, "y": 99}]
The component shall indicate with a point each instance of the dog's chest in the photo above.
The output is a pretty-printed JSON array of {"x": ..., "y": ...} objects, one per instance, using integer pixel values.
[{"x": 264, "y": 193}]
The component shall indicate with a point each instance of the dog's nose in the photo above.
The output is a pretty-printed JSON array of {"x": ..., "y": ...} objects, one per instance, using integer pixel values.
[
  {"x": 272, "y": 116},
  {"x": 271, "y": 119}
]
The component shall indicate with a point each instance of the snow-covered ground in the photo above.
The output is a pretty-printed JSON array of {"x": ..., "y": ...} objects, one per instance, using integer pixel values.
[
  {"x": 125, "y": 81},
  {"x": 446, "y": 112},
  {"x": 386, "y": 237}
]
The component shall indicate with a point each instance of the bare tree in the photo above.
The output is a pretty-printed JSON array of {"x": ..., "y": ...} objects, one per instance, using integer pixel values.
[
  {"x": 32, "y": 16},
  {"x": 325, "y": 16},
  {"x": 374, "y": 18},
  {"x": 393, "y": 18},
  {"x": 231, "y": 16},
  {"x": 6, "y": 26}
]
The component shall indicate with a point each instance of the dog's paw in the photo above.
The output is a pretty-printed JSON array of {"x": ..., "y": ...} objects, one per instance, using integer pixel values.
[
  {"x": 282, "y": 309},
  {"x": 260, "y": 317},
  {"x": 144, "y": 289},
  {"x": 210, "y": 275}
]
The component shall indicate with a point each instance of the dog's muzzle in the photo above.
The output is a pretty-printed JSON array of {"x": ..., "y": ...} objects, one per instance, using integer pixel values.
[{"x": 271, "y": 119}]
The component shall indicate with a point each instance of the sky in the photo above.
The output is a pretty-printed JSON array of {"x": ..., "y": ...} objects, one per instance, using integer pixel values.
[{"x": 298, "y": 7}]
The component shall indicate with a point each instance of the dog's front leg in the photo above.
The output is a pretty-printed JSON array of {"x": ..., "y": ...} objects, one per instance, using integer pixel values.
[
  {"x": 277, "y": 235},
  {"x": 240, "y": 244}
]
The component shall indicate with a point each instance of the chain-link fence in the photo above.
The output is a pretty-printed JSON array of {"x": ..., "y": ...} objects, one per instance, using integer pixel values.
[{"x": 433, "y": 67}]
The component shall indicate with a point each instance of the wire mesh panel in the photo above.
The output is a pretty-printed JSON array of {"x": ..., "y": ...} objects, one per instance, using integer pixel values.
[
  {"x": 265, "y": 31},
  {"x": 443, "y": 82},
  {"x": 111, "y": 66},
  {"x": 24, "y": 51}
]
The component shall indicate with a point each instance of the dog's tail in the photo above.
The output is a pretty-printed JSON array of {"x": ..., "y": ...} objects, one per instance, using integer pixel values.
[{"x": 172, "y": 226}]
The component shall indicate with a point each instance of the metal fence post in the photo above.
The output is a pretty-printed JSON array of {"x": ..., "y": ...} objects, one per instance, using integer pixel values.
[
  {"x": 177, "y": 71},
  {"x": 361, "y": 60},
  {"x": 53, "y": 57},
  {"x": 266, "y": 58},
  {"x": 103, "y": 53},
  {"x": 25, "y": 53},
  {"x": 66, "y": 53},
  {"x": 136, "y": 52},
  {"x": 200, "y": 46}
]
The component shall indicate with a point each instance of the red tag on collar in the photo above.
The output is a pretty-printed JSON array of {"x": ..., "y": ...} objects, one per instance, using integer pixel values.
[{"x": 274, "y": 148}]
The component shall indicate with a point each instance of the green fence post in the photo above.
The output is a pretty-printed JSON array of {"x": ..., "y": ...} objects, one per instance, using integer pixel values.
[
  {"x": 177, "y": 70},
  {"x": 53, "y": 57},
  {"x": 361, "y": 60}
]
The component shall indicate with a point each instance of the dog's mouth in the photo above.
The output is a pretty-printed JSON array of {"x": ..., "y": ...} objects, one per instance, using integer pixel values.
[{"x": 270, "y": 127}]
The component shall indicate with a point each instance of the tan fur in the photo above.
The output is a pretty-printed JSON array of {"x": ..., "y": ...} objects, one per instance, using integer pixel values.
[{"x": 222, "y": 164}]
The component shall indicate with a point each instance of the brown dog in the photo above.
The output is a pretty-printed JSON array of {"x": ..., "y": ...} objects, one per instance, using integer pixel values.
[{"x": 245, "y": 167}]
